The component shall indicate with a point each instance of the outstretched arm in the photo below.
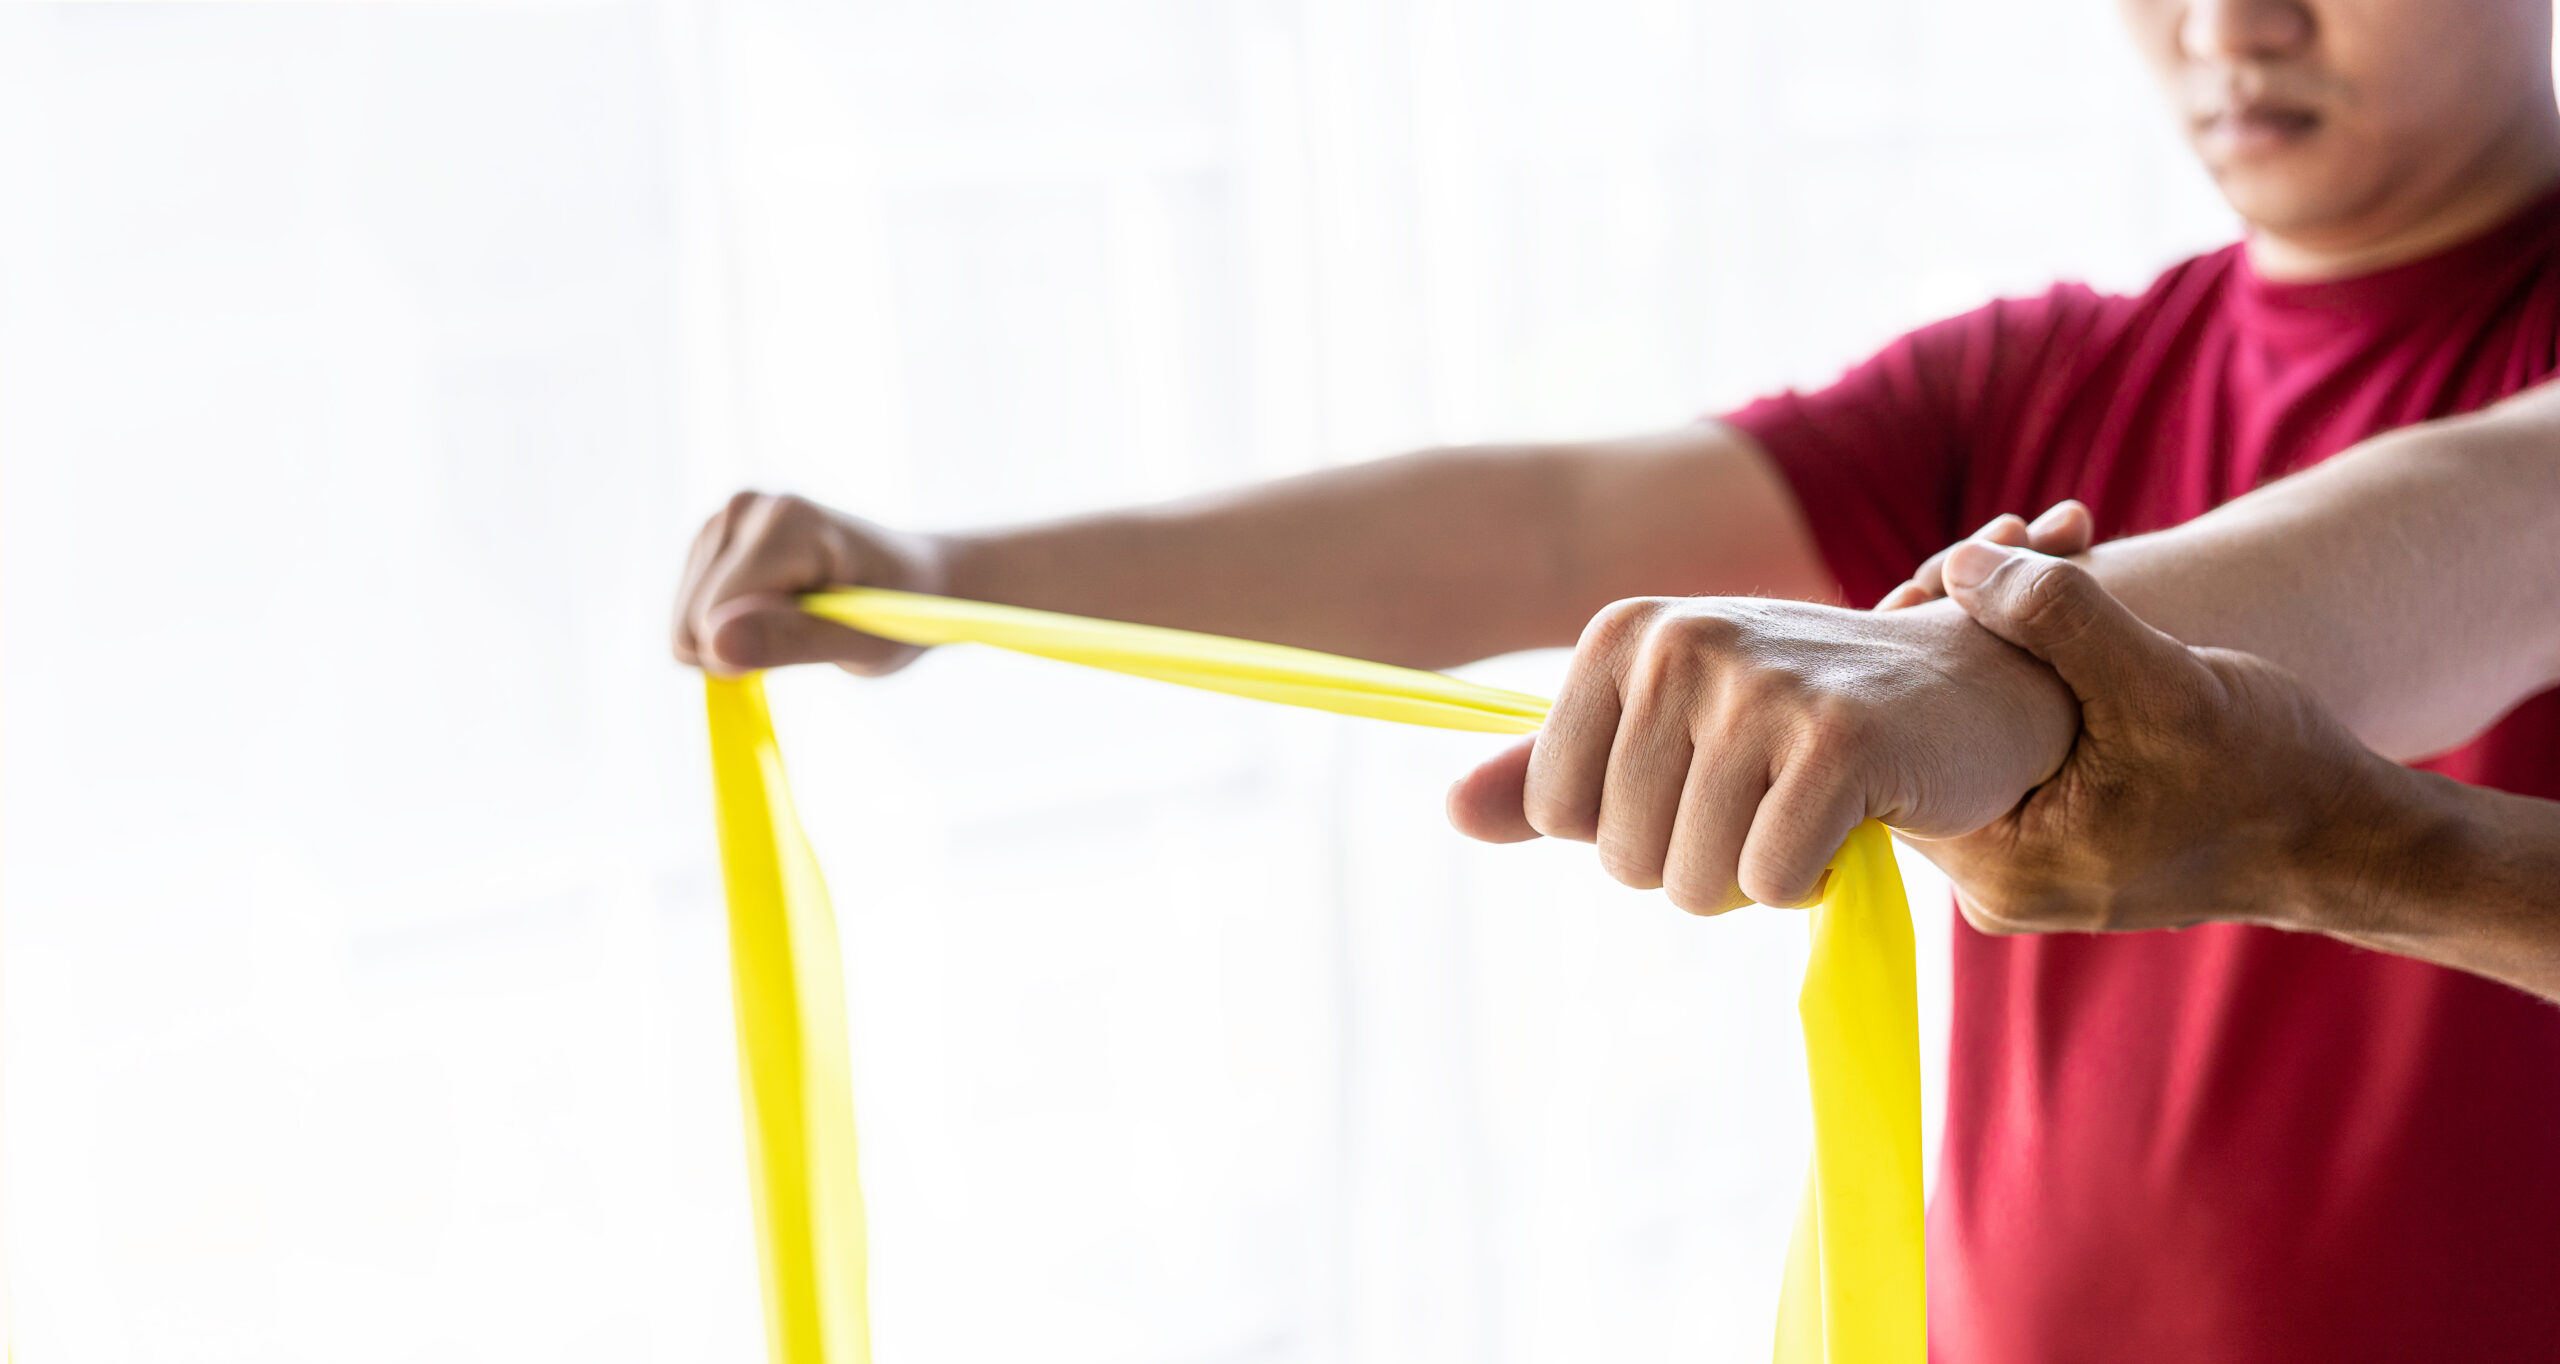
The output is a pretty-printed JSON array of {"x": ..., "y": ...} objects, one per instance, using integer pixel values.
[{"x": 1426, "y": 560}]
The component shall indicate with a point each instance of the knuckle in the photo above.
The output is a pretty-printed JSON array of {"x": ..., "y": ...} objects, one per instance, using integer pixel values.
[
  {"x": 787, "y": 519},
  {"x": 1556, "y": 817},
  {"x": 1833, "y": 730},
  {"x": 2054, "y": 596},
  {"x": 1679, "y": 643},
  {"x": 1702, "y": 632},
  {"x": 1783, "y": 881},
  {"x": 1629, "y": 866},
  {"x": 1989, "y": 914},
  {"x": 1620, "y": 622},
  {"x": 1776, "y": 665},
  {"x": 1764, "y": 890},
  {"x": 1654, "y": 675},
  {"x": 2008, "y": 907},
  {"x": 1818, "y": 749},
  {"x": 1754, "y": 707},
  {"x": 1694, "y": 896},
  {"x": 1670, "y": 652},
  {"x": 1556, "y": 823}
]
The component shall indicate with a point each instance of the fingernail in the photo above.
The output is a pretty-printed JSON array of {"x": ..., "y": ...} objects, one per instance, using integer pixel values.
[
  {"x": 2051, "y": 520},
  {"x": 1973, "y": 561}
]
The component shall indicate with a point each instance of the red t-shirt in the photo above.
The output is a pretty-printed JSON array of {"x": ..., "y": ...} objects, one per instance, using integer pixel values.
[{"x": 2227, "y": 1143}]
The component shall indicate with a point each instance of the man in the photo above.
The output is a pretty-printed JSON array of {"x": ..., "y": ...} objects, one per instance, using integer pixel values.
[{"x": 2231, "y": 1143}]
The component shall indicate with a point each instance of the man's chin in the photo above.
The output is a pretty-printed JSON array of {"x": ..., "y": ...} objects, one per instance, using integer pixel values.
[{"x": 2288, "y": 200}]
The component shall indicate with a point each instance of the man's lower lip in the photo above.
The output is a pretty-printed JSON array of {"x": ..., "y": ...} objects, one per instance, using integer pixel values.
[{"x": 2252, "y": 133}]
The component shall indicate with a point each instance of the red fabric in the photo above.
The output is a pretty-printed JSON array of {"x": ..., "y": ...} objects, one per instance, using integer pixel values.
[{"x": 2225, "y": 1144}]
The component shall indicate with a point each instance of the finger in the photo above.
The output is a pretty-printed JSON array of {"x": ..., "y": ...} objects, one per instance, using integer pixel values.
[
  {"x": 769, "y": 630},
  {"x": 1569, "y": 762},
  {"x": 2063, "y": 530},
  {"x": 1640, "y": 794},
  {"x": 707, "y": 544},
  {"x": 1808, "y": 813},
  {"x": 1703, "y": 871},
  {"x": 1908, "y": 593},
  {"x": 2008, "y": 528},
  {"x": 1927, "y": 583},
  {"x": 2058, "y": 611},
  {"x": 1485, "y": 804}
]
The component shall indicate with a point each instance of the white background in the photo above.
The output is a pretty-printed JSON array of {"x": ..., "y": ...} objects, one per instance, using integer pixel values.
[{"x": 363, "y": 372}]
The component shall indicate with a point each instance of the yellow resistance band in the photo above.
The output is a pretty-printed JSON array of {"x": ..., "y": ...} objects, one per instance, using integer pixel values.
[{"x": 1854, "y": 1287}]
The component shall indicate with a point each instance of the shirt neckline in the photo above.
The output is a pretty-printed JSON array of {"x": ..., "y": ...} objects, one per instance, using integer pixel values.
[{"x": 2394, "y": 290}]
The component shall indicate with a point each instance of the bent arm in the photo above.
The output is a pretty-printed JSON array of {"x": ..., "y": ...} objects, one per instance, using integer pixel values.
[
  {"x": 2413, "y": 581},
  {"x": 1427, "y": 559}
]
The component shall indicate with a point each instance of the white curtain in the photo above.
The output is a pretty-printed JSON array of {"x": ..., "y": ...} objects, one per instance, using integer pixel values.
[{"x": 363, "y": 372}]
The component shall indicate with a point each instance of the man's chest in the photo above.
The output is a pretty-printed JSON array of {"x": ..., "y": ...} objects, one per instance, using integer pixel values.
[{"x": 2153, "y": 431}]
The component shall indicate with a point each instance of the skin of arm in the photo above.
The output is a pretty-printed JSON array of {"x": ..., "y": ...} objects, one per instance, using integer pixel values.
[
  {"x": 2208, "y": 784},
  {"x": 1426, "y": 560},
  {"x": 2459, "y": 875},
  {"x": 2409, "y": 581}
]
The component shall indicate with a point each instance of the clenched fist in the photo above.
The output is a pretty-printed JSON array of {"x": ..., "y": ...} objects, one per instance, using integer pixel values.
[
  {"x": 736, "y": 609},
  {"x": 1722, "y": 748}
]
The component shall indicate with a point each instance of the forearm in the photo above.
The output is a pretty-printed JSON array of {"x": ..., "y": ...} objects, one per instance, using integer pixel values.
[
  {"x": 1428, "y": 559},
  {"x": 2410, "y": 581},
  {"x": 2458, "y": 875}
]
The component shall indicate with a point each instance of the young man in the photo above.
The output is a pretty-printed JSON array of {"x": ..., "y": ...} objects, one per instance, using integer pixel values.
[{"x": 2230, "y": 1143}]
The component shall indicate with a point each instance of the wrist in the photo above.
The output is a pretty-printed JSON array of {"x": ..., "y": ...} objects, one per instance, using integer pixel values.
[
  {"x": 2044, "y": 715},
  {"x": 961, "y": 564},
  {"x": 2349, "y": 872},
  {"x": 926, "y": 561},
  {"x": 1076, "y": 567}
]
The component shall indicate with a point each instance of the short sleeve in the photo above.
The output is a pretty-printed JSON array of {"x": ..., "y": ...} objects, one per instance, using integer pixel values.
[{"x": 1879, "y": 461}]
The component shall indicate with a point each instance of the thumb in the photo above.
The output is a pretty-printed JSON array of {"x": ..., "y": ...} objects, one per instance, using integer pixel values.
[
  {"x": 2058, "y": 611},
  {"x": 1486, "y": 804}
]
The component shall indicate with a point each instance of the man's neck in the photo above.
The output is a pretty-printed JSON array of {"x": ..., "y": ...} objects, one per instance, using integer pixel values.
[{"x": 2508, "y": 174}]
